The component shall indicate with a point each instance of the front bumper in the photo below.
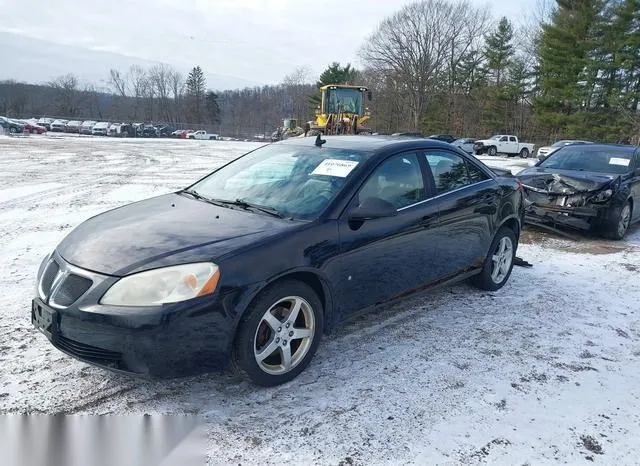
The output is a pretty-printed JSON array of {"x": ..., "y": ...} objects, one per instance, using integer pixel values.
[
  {"x": 584, "y": 218},
  {"x": 166, "y": 341},
  {"x": 151, "y": 346}
]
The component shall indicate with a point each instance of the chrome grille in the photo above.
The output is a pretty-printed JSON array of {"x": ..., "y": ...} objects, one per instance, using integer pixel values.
[
  {"x": 48, "y": 276},
  {"x": 70, "y": 289},
  {"x": 60, "y": 287}
]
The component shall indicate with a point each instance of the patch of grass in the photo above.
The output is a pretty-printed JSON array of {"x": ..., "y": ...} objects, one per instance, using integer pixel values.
[
  {"x": 586, "y": 355},
  {"x": 591, "y": 444}
]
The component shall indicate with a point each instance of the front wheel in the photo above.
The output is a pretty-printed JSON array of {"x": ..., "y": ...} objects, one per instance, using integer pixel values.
[
  {"x": 12, "y": 130},
  {"x": 492, "y": 151},
  {"x": 279, "y": 334},
  {"x": 499, "y": 262},
  {"x": 524, "y": 153},
  {"x": 618, "y": 227}
]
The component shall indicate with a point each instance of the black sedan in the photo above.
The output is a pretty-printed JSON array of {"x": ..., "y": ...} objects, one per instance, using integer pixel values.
[
  {"x": 254, "y": 262},
  {"x": 588, "y": 187}
]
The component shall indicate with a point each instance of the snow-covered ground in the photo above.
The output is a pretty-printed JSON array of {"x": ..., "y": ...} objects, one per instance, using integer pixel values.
[{"x": 545, "y": 370}]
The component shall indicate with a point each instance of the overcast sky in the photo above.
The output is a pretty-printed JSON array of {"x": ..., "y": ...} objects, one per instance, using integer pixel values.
[{"x": 256, "y": 41}]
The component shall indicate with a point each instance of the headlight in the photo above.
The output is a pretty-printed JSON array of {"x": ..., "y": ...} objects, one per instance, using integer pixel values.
[
  {"x": 163, "y": 286},
  {"x": 603, "y": 196},
  {"x": 42, "y": 266}
]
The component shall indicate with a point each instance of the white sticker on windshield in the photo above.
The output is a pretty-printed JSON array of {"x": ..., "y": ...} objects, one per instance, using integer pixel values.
[
  {"x": 334, "y": 167},
  {"x": 619, "y": 161}
]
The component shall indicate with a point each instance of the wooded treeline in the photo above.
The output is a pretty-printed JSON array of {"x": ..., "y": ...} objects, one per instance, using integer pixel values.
[{"x": 573, "y": 70}]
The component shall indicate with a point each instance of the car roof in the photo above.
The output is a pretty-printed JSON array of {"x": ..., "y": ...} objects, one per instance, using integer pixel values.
[
  {"x": 598, "y": 146},
  {"x": 373, "y": 144}
]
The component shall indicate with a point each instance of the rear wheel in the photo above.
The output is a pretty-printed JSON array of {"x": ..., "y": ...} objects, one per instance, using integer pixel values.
[
  {"x": 279, "y": 335},
  {"x": 618, "y": 227},
  {"x": 12, "y": 130},
  {"x": 492, "y": 151},
  {"x": 499, "y": 262},
  {"x": 524, "y": 153}
]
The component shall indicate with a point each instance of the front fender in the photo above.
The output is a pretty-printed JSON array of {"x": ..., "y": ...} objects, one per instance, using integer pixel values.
[{"x": 249, "y": 293}]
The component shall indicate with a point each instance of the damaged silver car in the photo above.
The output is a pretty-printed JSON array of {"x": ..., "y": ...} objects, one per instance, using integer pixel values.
[{"x": 594, "y": 187}]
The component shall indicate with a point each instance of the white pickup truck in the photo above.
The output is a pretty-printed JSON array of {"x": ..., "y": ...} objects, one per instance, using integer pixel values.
[
  {"x": 203, "y": 135},
  {"x": 503, "y": 144}
]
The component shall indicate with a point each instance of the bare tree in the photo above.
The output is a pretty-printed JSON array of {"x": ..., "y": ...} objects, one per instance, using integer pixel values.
[
  {"x": 139, "y": 84},
  {"x": 296, "y": 92},
  {"x": 66, "y": 94},
  {"x": 419, "y": 43},
  {"x": 299, "y": 76},
  {"x": 159, "y": 81},
  {"x": 118, "y": 82},
  {"x": 176, "y": 84}
]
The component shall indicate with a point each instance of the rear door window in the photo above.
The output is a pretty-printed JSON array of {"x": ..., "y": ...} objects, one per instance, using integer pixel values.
[{"x": 451, "y": 171}]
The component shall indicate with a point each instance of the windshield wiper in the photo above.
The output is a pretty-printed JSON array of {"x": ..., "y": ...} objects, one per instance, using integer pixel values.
[
  {"x": 195, "y": 194},
  {"x": 248, "y": 205},
  {"x": 238, "y": 203}
]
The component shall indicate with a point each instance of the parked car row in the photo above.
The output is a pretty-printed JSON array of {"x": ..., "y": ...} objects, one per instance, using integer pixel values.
[
  {"x": 20, "y": 126},
  {"x": 101, "y": 128}
]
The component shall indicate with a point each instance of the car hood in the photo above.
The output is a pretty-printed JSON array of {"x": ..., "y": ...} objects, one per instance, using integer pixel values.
[
  {"x": 564, "y": 181},
  {"x": 165, "y": 230},
  {"x": 548, "y": 149}
]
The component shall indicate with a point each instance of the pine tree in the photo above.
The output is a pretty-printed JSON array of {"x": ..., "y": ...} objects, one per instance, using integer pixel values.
[
  {"x": 213, "y": 110},
  {"x": 195, "y": 96},
  {"x": 498, "y": 55},
  {"x": 498, "y": 51},
  {"x": 334, "y": 74},
  {"x": 569, "y": 66}
]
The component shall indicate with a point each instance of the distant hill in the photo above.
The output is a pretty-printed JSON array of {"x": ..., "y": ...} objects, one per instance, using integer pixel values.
[{"x": 38, "y": 61}]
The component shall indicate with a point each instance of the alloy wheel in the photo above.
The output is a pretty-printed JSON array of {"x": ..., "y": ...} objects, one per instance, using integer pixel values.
[
  {"x": 625, "y": 218},
  {"x": 284, "y": 335},
  {"x": 501, "y": 260}
]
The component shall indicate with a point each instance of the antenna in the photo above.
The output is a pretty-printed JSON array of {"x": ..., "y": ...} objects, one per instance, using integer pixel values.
[{"x": 319, "y": 140}]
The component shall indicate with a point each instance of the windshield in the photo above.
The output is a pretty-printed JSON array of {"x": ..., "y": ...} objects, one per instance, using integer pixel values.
[
  {"x": 344, "y": 101},
  {"x": 294, "y": 180},
  {"x": 599, "y": 159},
  {"x": 497, "y": 136}
]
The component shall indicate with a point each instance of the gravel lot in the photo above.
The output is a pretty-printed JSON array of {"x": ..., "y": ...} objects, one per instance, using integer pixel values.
[{"x": 546, "y": 370}]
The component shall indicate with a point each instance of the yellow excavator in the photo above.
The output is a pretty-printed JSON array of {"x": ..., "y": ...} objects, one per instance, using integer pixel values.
[
  {"x": 288, "y": 129},
  {"x": 342, "y": 111}
]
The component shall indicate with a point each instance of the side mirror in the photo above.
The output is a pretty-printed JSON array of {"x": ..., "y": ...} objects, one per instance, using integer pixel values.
[
  {"x": 373, "y": 207},
  {"x": 369, "y": 95}
]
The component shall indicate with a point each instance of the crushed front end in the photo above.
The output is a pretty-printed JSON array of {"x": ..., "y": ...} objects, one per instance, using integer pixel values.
[{"x": 555, "y": 200}]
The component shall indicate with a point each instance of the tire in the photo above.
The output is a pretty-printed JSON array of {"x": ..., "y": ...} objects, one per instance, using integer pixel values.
[
  {"x": 492, "y": 151},
  {"x": 524, "y": 153},
  {"x": 617, "y": 228},
  {"x": 502, "y": 254},
  {"x": 276, "y": 339},
  {"x": 12, "y": 130}
]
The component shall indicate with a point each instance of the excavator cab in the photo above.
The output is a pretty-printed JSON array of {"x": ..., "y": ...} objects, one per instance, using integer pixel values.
[
  {"x": 290, "y": 124},
  {"x": 342, "y": 110}
]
